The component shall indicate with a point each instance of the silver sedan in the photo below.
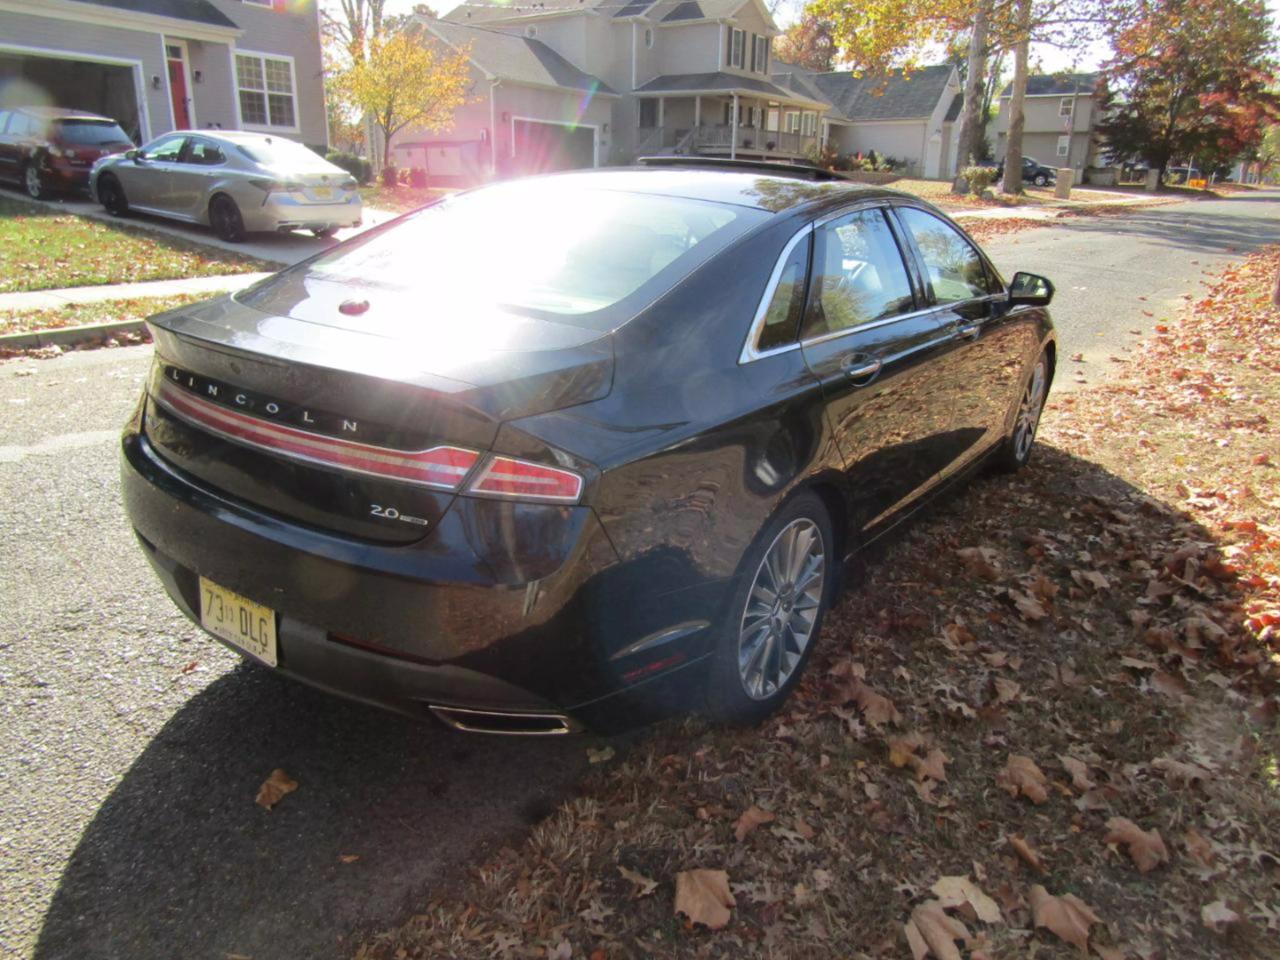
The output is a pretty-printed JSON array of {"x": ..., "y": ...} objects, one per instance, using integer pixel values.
[{"x": 237, "y": 183}]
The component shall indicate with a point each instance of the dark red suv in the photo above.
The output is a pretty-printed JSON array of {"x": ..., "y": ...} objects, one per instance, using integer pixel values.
[{"x": 44, "y": 149}]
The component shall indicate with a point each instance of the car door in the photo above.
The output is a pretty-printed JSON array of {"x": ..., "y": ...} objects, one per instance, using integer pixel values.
[
  {"x": 879, "y": 359},
  {"x": 146, "y": 178},
  {"x": 8, "y": 166},
  {"x": 191, "y": 176},
  {"x": 989, "y": 345}
]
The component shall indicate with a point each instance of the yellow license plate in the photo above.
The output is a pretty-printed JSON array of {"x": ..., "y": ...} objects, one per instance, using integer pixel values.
[
  {"x": 324, "y": 193},
  {"x": 238, "y": 620}
]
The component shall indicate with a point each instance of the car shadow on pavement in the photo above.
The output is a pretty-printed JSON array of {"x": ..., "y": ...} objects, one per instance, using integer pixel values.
[{"x": 180, "y": 861}]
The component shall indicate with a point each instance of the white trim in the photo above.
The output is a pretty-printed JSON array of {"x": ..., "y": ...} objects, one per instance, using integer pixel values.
[
  {"x": 139, "y": 74},
  {"x": 121, "y": 19},
  {"x": 168, "y": 42},
  {"x": 266, "y": 93},
  {"x": 594, "y": 128}
]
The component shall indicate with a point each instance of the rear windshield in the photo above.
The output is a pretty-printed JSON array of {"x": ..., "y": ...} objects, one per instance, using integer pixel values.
[
  {"x": 89, "y": 133},
  {"x": 279, "y": 153},
  {"x": 540, "y": 248}
]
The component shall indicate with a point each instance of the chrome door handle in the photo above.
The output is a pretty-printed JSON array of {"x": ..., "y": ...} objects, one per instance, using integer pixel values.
[
  {"x": 868, "y": 369},
  {"x": 968, "y": 331}
]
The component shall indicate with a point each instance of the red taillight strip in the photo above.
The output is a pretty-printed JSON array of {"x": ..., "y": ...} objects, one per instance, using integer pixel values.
[
  {"x": 442, "y": 467},
  {"x": 522, "y": 480}
]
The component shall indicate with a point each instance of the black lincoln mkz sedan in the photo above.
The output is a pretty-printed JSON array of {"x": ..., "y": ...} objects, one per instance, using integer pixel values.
[{"x": 579, "y": 449}]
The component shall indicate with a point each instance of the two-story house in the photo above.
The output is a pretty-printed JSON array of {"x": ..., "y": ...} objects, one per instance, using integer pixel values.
[
  {"x": 562, "y": 83},
  {"x": 1061, "y": 114},
  {"x": 161, "y": 65}
]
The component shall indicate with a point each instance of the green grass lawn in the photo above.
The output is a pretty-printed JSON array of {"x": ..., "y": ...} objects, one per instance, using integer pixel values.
[
  {"x": 80, "y": 314},
  {"x": 400, "y": 199},
  {"x": 44, "y": 249}
]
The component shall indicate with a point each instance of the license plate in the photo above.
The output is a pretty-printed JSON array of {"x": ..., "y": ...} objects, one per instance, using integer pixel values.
[
  {"x": 322, "y": 193},
  {"x": 238, "y": 620}
]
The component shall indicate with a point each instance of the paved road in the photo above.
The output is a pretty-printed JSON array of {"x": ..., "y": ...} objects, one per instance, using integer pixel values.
[
  {"x": 1124, "y": 273},
  {"x": 133, "y": 747}
]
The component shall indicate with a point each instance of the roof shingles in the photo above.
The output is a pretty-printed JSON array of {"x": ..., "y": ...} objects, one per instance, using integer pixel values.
[
  {"x": 520, "y": 59},
  {"x": 197, "y": 11}
]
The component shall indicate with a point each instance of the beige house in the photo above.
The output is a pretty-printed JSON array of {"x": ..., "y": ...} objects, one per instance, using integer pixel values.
[
  {"x": 572, "y": 83},
  {"x": 1061, "y": 113}
]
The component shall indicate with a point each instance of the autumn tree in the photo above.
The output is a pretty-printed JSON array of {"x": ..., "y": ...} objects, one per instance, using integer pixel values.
[
  {"x": 406, "y": 79},
  {"x": 1190, "y": 81},
  {"x": 808, "y": 43}
]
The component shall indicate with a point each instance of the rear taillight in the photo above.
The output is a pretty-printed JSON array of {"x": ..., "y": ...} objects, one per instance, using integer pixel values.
[{"x": 521, "y": 480}]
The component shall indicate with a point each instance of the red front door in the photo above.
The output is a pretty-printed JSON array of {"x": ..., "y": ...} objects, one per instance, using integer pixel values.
[{"x": 178, "y": 90}]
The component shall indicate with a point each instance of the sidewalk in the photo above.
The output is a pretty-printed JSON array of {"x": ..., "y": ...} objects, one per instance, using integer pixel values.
[{"x": 198, "y": 286}]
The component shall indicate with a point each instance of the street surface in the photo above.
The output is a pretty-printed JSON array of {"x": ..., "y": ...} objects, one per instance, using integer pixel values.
[{"x": 133, "y": 746}]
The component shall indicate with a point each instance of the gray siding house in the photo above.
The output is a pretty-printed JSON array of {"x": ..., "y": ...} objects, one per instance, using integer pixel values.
[
  {"x": 571, "y": 83},
  {"x": 1061, "y": 113},
  {"x": 161, "y": 65}
]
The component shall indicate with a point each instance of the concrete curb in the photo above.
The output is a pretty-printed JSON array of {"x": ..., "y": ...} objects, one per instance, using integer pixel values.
[{"x": 69, "y": 336}]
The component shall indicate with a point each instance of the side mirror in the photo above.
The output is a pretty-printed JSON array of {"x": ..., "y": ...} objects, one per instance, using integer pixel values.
[
  {"x": 1030, "y": 289},
  {"x": 137, "y": 156}
]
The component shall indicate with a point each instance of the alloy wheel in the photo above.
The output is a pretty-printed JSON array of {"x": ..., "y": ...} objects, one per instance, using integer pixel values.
[
  {"x": 31, "y": 180},
  {"x": 1029, "y": 410},
  {"x": 781, "y": 610}
]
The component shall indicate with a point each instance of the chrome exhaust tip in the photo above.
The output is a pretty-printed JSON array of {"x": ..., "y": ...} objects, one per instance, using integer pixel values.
[{"x": 504, "y": 723}]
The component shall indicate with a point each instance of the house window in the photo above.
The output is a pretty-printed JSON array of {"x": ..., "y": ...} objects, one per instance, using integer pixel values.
[
  {"x": 1066, "y": 107},
  {"x": 793, "y": 121},
  {"x": 1064, "y": 146},
  {"x": 648, "y": 38},
  {"x": 760, "y": 55},
  {"x": 737, "y": 48},
  {"x": 809, "y": 124},
  {"x": 266, "y": 91},
  {"x": 648, "y": 114}
]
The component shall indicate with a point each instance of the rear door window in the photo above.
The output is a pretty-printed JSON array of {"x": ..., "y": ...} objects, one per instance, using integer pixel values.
[
  {"x": 953, "y": 268},
  {"x": 204, "y": 154},
  {"x": 858, "y": 275}
]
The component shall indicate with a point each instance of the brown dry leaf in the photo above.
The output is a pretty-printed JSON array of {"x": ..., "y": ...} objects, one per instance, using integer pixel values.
[
  {"x": 981, "y": 561},
  {"x": 1067, "y": 916},
  {"x": 956, "y": 891},
  {"x": 1027, "y": 852},
  {"x": 930, "y": 930},
  {"x": 902, "y": 749},
  {"x": 348, "y": 857},
  {"x": 1146, "y": 847},
  {"x": 1090, "y": 578},
  {"x": 1217, "y": 916},
  {"x": 751, "y": 818},
  {"x": 931, "y": 767},
  {"x": 958, "y": 638},
  {"x": 1079, "y": 771},
  {"x": 1168, "y": 684},
  {"x": 877, "y": 708},
  {"x": 703, "y": 896},
  {"x": 1199, "y": 848},
  {"x": 1027, "y": 605},
  {"x": 1187, "y": 774},
  {"x": 1006, "y": 689},
  {"x": 643, "y": 885},
  {"x": 1020, "y": 775},
  {"x": 274, "y": 788}
]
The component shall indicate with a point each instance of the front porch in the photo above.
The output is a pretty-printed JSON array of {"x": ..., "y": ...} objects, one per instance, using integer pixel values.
[{"x": 733, "y": 125}]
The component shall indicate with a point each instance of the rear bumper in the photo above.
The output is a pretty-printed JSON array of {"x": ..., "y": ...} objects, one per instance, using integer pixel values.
[
  {"x": 281, "y": 212},
  {"x": 432, "y": 624},
  {"x": 63, "y": 174}
]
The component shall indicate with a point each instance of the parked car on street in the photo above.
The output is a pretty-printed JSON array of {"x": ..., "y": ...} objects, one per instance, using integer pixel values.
[
  {"x": 1033, "y": 171},
  {"x": 49, "y": 149},
  {"x": 581, "y": 449},
  {"x": 237, "y": 183}
]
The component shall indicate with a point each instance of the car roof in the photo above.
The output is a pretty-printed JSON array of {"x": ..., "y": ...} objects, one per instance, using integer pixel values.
[
  {"x": 61, "y": 113},
  {"x": 767, "y": 190}
]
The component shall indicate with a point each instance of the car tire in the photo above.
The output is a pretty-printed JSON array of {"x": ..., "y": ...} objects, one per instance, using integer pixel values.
[
  {"x": 33, "y": 181},
  {"x": 1016, "y": 449},
  {"x": 225, "y": 218},
  {"x": 760, "y": 653},
  {"x": 111, "y": 196},
  {"x": 324, "y": 233},
  {"x": 1041, "y": 180}
]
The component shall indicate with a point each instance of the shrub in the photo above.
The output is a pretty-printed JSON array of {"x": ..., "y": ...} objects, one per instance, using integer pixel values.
[
  {"x": 418, "y": 178},
  {"x": 821, "y": 156},
  {"x": 358, "y": 167},
  {"x": 390, "y": 177},
  {"x": 979, "y": 178}
]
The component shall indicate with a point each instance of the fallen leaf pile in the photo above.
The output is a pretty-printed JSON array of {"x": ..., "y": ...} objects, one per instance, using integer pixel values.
[{"x": 1043, "y": 721}]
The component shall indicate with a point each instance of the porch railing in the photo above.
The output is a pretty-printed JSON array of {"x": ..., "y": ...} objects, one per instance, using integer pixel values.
[{"x": 718, "y": 138}]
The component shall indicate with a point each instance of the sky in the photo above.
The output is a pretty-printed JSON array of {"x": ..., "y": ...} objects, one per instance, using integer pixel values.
[{"x": 1046, "y": 58}]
